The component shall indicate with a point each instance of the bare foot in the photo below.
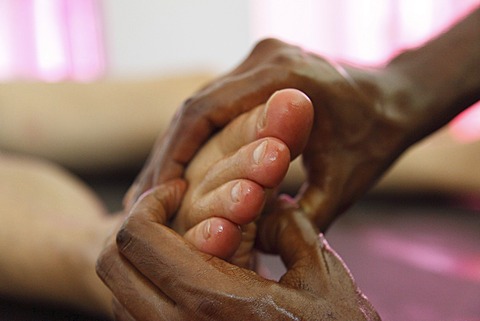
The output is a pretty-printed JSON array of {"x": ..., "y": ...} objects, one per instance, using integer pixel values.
[{"x": 231, "y": 176}]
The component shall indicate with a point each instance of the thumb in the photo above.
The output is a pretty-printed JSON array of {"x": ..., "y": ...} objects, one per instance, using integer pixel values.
[
  {"x": 311, "y": 264},
  {"x": 160, "y": 203},
  {"x": 319, "y": 204}
]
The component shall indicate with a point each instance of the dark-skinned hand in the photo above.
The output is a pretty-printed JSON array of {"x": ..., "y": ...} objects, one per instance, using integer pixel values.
[
  {"x": 357, "y": 132},
  {"x": 155, "y": 274}
]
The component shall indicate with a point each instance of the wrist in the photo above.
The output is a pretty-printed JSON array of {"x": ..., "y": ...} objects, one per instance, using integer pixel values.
[
  {"x": 392, "y": 96},
  {"x": 440, "y": 79}
]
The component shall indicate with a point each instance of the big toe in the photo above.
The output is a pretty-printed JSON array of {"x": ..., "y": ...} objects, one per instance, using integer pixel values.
[{"x": 288, "y": 116}]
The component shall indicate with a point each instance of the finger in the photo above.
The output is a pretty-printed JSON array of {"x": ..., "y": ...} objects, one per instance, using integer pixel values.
[
  {"x": 202, "y": 114},
  {"x": 174, "y": 265},
  {"x": 308, "y": 258},
  {"x": 142, "y": 183},
  {"x": 320, "y": 204},
  {"x": 322, "y": 198},
  {"x": 314, "y": 266},
  {"x": 160, "y": 203},
  {"x": 262, "y": 51},
  {"x": 163, "y": 256},
  {"x": 216, "y": 236},
  {"x": 243, "y": 256},
  {"x": 211, "y": 109},
  {"x": 133, "y": 291},
  {"x": 127, "y": 284},
  {"x": 119, "y": 312}
]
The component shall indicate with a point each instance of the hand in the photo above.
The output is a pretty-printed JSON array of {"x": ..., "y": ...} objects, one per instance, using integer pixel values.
[
  {"x": 155, "y": 274},
  {"x": 357, "y": 132}
]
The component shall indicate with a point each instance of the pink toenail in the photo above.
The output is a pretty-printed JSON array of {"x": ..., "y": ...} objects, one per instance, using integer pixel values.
[
  {"x": 262, "y": 123},
  {"x": 236, "y": 192},
  {"x": 259, "y": 152},
  {"x": 206, "y": 230}
]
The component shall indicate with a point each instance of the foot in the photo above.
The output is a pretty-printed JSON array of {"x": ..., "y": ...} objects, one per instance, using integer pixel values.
[{"x": 232, "y": 175}]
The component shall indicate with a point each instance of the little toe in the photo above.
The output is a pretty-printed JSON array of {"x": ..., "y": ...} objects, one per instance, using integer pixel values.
[{"x": 216, "y": 236}]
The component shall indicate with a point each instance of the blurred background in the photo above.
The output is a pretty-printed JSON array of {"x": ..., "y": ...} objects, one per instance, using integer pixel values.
[
  {"x": 85, "y": 40},
  {"x": 416, "y": 258}
]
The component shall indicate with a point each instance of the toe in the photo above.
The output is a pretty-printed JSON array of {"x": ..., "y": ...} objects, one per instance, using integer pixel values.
[
  {"x": 216, "y": 236},
  {"x": 288, "y": 116}
]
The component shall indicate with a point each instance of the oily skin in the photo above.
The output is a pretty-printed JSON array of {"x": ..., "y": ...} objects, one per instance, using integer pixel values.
[
  {"x": 228, "y": 159},
  {"x": 229, "y": 194},
  {"x": 364, "y": 117},
  {"x": 345, "y": 151},
  {"x": 355, "y": 135},
  {"x": 157, "y": 275},
  {"x": 250, "y": 157},
  {"x": 317, "y": 285}
]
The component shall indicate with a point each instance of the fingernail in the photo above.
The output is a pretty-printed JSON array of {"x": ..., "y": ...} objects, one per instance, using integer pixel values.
[
  {"x": 259, "y": 152},
  {"x": 235, "y": 192}
]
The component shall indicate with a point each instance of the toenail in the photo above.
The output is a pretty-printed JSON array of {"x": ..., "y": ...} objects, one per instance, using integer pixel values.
[
  {"x": 206, "y": 230},
  {"x": 262, "y": 123},
  {"x": 259, "y": 152},
  {"x": 235, "y": 192}
]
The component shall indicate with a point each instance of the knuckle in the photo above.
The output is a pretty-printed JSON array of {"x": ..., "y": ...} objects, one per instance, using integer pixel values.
[
  {"x": 125, "y": 236},
  {"x": 185, "y": 107},
  {"x": 267, "y": 44},
  {"x": 282, "y": 67},
  {"x": 191, "y": 111},
  {"x": 290, "y": 56},
  {"x": 276, "y": 75},
  {"x": 207, "y": 308},
  {"x": 277, "y": 52},
  {"x": 104, "y": 264},
  {"x": 191, "y": 108}
]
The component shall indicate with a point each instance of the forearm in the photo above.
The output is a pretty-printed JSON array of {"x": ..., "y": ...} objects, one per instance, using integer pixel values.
[
  {"x": 89, "y": 126},
  {"x": 440, "y": 79}
]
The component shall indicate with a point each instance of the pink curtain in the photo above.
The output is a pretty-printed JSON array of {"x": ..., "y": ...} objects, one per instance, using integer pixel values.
[
  {"x": 363, "y": 31},
  {"x": 51, "y": 40}
]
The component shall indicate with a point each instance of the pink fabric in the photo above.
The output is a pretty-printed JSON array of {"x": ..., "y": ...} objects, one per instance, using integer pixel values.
[
  {"x": 51, "y": 40},
  {"x": 361, "y": 31},
  {"x": 364, "y": 32}
]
